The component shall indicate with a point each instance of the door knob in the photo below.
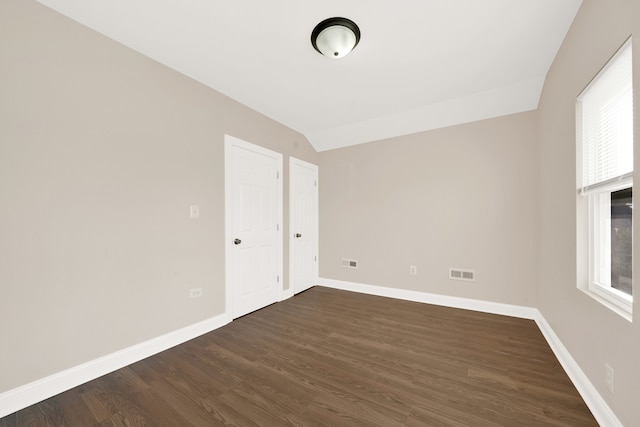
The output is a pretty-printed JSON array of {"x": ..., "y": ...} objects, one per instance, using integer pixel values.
[
  {"x": 237, "y": 241},
  {"x": 298, "y": 235}
]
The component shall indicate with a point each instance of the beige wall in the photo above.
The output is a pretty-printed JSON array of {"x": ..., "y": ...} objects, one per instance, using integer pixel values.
[
  {"x": 102, "y": 151},
  {"x": 462, "y": 197},
  {"x": 593, "y": 334}
]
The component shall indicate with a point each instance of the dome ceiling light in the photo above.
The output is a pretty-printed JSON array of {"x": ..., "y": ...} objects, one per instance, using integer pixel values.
[{"x": 335, "y": 37}]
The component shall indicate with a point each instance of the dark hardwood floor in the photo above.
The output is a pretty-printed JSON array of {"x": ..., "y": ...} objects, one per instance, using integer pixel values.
[{"x": 335, "y": 358}]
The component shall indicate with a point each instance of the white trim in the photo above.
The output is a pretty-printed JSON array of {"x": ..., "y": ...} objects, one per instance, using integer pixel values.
[
  {"x": 606, "y": 300},
  {"x": 598, "y": 406},
  {"x": 44, "y": 388},
  {"x": 612, "y": 184},
  {"x": 436, "y": 299},
  {"x": 600, "y": 254},
  {"x": 314, "y": 168},
  {"x": 229, "y": 142},
  {"x": 227, "y": 224},
  {"x": 286, "y": 294}
]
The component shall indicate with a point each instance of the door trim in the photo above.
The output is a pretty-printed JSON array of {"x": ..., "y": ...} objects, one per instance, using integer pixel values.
[
  {"x": 229, "y": 143},
  {"x": 293, "y": 161}
]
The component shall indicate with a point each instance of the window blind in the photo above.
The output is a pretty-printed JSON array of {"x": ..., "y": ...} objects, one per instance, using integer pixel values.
[{"x": 605, "y": 114}]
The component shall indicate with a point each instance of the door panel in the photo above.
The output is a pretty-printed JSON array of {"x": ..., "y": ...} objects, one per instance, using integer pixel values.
[
  {"x": 253, "y": 231},
  {"x": 303, "y": 224}
]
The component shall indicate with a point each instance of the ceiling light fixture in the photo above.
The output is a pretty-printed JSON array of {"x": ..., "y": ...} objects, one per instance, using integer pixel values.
[{"x": 335, "y": 37}]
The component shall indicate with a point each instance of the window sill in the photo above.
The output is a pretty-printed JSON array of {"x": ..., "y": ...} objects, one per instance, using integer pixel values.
[{"x": 622, "y": 311}]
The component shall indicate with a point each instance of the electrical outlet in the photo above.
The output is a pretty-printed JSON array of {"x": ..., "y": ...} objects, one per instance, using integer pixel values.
[
  {"x": 413, "y": 270},
  {"x": 609, "y": 376},
  {"x": 195, "y": 293}
]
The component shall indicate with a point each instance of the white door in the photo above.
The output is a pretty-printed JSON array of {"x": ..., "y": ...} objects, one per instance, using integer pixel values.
[
  {"x": 303, "y": 224},
  {"x": 253, "y": 217}
]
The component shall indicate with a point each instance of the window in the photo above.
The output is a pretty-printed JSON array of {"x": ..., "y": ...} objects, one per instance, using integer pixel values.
[{"x": 604, "y": 112}]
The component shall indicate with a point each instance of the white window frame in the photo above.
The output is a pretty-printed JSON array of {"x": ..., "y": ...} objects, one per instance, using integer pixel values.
[
  {"x": 598, "y": 194},
  {"x": 600, "y": 247}
]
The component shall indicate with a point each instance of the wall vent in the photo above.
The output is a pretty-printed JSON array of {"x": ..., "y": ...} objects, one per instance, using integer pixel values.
[
  {"x": 460, "y": 274},
  {"x": 349, "y": 263}
]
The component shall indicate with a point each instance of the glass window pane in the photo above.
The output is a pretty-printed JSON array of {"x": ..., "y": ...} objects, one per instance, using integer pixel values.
[{"x": 621, "y": 239}]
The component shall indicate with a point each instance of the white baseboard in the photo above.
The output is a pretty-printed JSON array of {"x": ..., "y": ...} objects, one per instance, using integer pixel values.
[
  {"x": 286, "y": 294},
  {"x": 44, "y": 388},
  {"x": 435, "y": 299},
  {"x": 598, "y": 406}
]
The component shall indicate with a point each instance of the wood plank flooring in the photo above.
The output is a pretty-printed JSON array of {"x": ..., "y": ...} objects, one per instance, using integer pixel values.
[{"x": 335, "y": 358}]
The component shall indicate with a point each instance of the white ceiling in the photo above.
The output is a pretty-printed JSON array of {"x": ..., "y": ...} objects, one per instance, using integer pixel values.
[{"x": 420, "y": 64}]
